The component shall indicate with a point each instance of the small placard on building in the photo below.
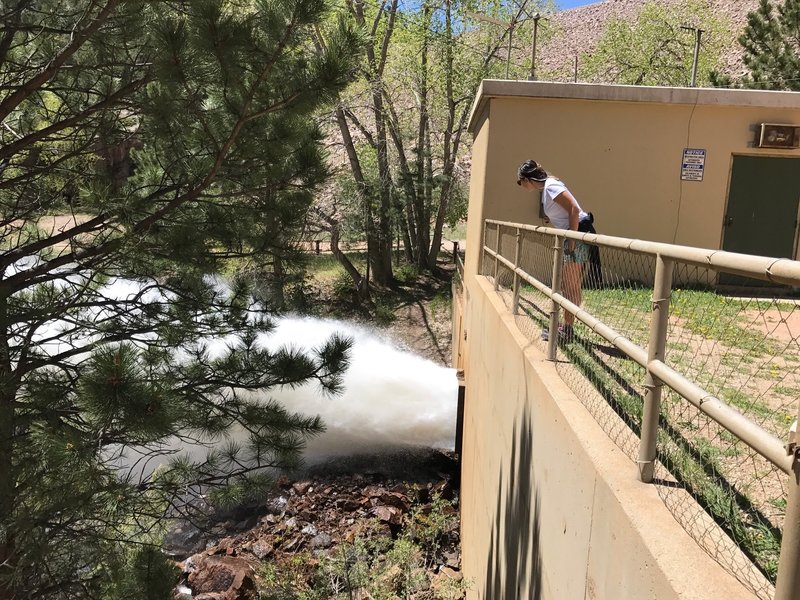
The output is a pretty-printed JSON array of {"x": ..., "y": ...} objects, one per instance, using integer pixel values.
[{"x": 694, "y": 161}]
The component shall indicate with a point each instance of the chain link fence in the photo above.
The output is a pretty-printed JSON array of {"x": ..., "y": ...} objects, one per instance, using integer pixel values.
[{"x": 741, "y": 350}]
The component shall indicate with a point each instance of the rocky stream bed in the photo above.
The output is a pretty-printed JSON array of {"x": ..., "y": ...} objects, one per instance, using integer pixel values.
[{"x": 369, "y": 527}]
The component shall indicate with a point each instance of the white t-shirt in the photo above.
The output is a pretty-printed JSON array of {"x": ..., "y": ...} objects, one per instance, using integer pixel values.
[{"x": 558, "y": 215}]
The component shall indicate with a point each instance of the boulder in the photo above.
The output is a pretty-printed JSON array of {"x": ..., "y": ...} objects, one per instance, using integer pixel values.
[
  {"x": 222, "y": 578},
  {"x": 182, "y": 540}
]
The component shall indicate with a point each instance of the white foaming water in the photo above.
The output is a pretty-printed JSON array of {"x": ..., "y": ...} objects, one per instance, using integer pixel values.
[{"x": 391, "y": 397}]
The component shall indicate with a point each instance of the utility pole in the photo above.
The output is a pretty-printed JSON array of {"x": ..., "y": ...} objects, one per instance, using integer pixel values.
[
  {"x": 535, "y": 18},
  {"x": 697, "y": 34},
  {"x": 508, "y": 56}
]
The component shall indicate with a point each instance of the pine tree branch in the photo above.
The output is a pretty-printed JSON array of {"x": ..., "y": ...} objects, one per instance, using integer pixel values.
[
  {"x": 145, "y": 224},
  {"x": 95, "y": 224},
  {"x": 34, "y": 172},
  {"x": 121, "y": 93},
  {"x": 11, "y": 24},
  {"x": 78, "y": 39},
  {"x": 283, "y": 104},
  {"x": 47, "y": 270}
]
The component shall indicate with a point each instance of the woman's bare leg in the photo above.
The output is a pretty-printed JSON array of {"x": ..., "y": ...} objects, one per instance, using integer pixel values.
[{"x": 571, "y": 279}]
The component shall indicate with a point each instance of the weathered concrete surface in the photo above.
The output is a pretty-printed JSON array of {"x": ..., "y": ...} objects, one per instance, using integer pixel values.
[{"x": 551, "y": 508}]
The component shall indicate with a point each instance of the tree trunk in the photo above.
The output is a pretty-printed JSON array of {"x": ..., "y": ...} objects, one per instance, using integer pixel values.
[
  {"x": 362, "y": 283},
  {"x": 7, "y": 475},
  {"x": 359, "y": 282},
  {"x": 278, "y": 297},
  {"x": 451, "y": 143},
  {"x": 381, "y": 254},
  {"x": 423, "y": 153},
  {"x": 405, "y": 230}
]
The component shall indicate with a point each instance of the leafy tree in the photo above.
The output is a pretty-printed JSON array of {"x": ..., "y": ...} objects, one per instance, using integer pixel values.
[
  {"x": 402, "y": 122},
  {"x": 655, "y": 49},
  {"x": 771, "y": 43},
  {"x": 144, "y": 144}
]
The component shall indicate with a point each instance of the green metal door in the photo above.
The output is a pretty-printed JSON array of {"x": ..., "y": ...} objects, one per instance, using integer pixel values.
[{"x": 762, "y": 209}]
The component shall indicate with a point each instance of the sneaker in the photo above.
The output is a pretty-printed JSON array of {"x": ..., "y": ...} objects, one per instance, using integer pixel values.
[{"x": 566, "y": 334}]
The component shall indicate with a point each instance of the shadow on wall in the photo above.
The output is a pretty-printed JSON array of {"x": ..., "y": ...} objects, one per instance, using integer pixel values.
[{"x": 514, "y": 565}]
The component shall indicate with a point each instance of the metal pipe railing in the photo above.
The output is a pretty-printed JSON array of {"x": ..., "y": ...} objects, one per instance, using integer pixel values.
[
  {"x": 759, "y": 439},
  {"x": 517, "y": 252},
  {"x": 635, "y": 352},
  {"x": 497, "y": 253},
  {"x": 775, "y": 270},
  {"x": 655, "y": 352},
  {"x": 788, "y": 582},
  {"x": 558, "y": 265}
]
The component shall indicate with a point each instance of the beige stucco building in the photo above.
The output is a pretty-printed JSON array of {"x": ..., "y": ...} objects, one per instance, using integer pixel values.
[
  {"x": 551, "y": 508},
  {"x": 680, "y": 165}
]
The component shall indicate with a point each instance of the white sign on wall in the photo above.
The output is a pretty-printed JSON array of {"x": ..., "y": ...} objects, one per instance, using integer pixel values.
[{"x": 694, "y": 161}]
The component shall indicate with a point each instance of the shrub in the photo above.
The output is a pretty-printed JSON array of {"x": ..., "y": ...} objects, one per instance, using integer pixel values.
[
  {"x": 384, "y": 315},
  {"x": 406, "y": 273}
]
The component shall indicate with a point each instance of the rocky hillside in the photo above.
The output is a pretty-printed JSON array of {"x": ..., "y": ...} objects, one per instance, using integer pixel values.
[{"x": 579, "y": 30}]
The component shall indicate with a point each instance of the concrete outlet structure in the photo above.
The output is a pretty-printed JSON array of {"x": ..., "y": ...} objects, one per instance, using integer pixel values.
[{"x": 551, "y": 508}]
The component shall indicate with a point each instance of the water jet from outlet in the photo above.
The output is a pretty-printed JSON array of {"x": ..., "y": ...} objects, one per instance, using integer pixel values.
[{"x": 392, "y": 398}]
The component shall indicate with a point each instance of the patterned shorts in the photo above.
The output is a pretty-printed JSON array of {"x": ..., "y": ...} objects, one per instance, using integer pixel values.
[{"x": 581, "y": 254}]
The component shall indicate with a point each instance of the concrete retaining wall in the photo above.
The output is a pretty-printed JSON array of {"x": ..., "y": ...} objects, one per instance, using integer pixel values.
[{"x": 551, "y": 509}]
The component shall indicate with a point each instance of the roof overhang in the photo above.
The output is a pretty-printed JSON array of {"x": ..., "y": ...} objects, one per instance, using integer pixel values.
[{"x": 495, "y": 88}]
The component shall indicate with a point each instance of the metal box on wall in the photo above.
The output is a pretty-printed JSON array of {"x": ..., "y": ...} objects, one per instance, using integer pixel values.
[{"x": 776, "y": 135}]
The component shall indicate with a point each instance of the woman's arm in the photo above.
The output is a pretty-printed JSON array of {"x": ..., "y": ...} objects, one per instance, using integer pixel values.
[{"x": 567, "y": 201}]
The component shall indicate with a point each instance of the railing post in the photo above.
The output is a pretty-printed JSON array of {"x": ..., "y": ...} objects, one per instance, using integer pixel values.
[
  {"x": 497, "y": 262},
  {"x": 659, "y": 321},
  {"x": 555, "y": 287},
  {"x": 787, "y": 586},
  {"x": 517, "y": 252},
  {"x": 455, "y": 251},
  {"x": 482, "y": 266}
]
